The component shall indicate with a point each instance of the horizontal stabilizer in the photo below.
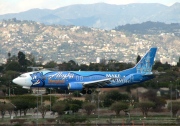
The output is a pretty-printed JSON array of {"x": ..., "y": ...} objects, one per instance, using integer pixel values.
[{"x": 158, "y": 73}]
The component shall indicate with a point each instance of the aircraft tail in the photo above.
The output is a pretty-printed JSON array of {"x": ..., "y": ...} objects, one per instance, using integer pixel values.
[{"x": 144, "y": 66}]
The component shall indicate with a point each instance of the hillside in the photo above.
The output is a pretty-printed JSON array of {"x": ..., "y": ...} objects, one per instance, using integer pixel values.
[
  {"x": 82, "y": 44},
  {"x": 101, "y": 15},
  {"x": 150, "y": 28}
]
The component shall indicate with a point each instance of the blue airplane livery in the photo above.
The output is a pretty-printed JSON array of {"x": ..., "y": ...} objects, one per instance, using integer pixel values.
[{"x": 84, "y": 81}]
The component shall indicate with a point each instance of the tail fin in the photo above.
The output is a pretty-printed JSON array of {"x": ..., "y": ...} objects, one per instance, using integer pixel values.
[{"x": 144, "y": 66}]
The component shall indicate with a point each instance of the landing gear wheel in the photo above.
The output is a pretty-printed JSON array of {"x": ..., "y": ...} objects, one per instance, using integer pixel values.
[
  {"x": 83, "y": 91},
  {"x": 89, "y": 92}
]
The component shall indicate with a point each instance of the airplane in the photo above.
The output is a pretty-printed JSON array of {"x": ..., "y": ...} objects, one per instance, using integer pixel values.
[{"x": 85, "y": 81}]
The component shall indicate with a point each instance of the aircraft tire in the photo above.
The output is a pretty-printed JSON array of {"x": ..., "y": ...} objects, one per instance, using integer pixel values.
[
  {"x": 83, "y": 91},
  {"x": 89, "y": 92}
]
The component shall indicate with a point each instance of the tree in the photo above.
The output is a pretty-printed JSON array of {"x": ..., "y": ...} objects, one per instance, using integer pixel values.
[
  {"x": 178, "y": 63},
  {"x": 152, "y": 96},
  {"x": 6, "y": 107},
  {"x": 73, "y": 105},
  {"x": 10, "y": 108},
  {"x": 76, "y": 94},
  {"x": 159, "y": 103},
  {"x": 21, "y": 107},
  {"x": 138, "y": 58},
  {"x": 145, "y": 106},
  {"x": 72, "y": 65},
  {"x": 113, "y": 96},
  {"x": 28, "y": 103},
  {"x": 72, "y": 62},
  {"x": 50, "y": 64},
  {"x": 11, "y": 74},
  {"x": 118, "y": 106},
  {"x": 175, "y": 107},
  {"x": 157, "y": 64},
  {"x": 31, "y": 58},
  {"x": 96, "y": 97},
  {"x": 3, "y": 109},
  {"x": 9, "y": 55},
  {"x": 89, "y": 107},
  {"x": 21, "y": 58},
  {"x": 23, "y": 61},
  {"x": 83, "y": 67},
  {"x": 13, "y": 65},
  {"x": 4, "y": 89},
  {"x": 73, "y": 119},
  {"x": 59, "y": 107},
  {"x": 2, "y": 68},
  {"x": 43, "y": 109}
]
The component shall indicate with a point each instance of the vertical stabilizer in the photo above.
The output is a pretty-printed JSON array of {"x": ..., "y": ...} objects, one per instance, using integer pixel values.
[{"x": 144, "y": 66}]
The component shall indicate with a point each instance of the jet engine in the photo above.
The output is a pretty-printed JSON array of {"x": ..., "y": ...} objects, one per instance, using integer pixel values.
[{"x": 75, "y": 86}]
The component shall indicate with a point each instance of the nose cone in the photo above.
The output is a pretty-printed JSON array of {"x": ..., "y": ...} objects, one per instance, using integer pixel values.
[
  {"x": 23, "y": 80},
  {"x": 19, "y": 81}
]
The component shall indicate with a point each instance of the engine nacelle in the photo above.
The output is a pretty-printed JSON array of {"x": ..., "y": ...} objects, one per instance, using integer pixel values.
[{"x": 75, "y": 86}]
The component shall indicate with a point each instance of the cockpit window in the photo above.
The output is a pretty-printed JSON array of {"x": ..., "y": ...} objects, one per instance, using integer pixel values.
[{"x": 22, "y": 75}]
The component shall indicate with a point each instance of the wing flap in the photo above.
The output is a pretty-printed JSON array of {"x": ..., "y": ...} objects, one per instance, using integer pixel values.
[{"x": 97, "y": 83}]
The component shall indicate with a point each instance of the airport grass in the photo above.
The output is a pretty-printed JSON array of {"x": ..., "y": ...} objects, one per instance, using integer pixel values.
[
  {"x": 112, "y": 119},
  {"x": 105, "y": 117}
]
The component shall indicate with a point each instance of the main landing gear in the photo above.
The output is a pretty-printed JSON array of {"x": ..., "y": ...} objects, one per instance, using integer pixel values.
[{"x": 84, "y": 91}]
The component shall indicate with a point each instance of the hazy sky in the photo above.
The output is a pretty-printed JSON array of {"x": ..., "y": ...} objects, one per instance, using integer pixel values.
[{"x": 14, "y": 6}]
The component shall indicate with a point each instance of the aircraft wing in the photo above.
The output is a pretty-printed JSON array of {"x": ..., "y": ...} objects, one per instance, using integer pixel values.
[{"x": 97, "y": 83}]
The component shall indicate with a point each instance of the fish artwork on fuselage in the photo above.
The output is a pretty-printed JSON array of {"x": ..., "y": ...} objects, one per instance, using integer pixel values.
[
  {"x": 85, "y": 80},
  {"x": 37, "y": 78}
]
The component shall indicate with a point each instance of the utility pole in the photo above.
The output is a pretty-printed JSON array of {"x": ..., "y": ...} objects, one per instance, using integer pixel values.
[
  {"x": 37, "y": 105},
  {"x": 98, "y": 105},
  {"x": 50, "y": 99},
  {"x": 171, "y": 99},
  {"x": 176, "y": 91},
  {"x": 98, "y": 90},
  {"x": 9, "y": 90}
]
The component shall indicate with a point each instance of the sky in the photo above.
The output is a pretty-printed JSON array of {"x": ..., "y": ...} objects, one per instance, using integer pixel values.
[{"x": 15, "y": 6}]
